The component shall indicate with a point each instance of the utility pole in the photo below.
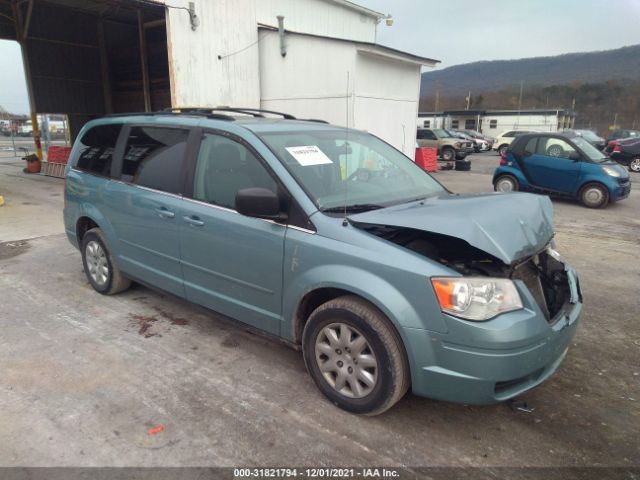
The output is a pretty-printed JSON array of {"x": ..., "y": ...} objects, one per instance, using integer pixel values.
[
  {"x": 435, "y": 112},
  {"x": 468, "y": 99},
  {"x": 519, "y": 103},
  {"x": 615, "y": 121}
]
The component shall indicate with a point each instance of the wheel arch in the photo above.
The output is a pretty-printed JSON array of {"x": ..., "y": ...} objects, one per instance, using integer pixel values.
[
  {"x": 402, "y": 315},
  {"x": 512, "y": 172},
  {"x": 590, "y": 181},
  {"x": 91, "y": 217}
]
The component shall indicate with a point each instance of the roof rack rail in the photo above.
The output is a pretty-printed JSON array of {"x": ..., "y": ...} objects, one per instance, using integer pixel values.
[
  {"x": 317, "y": 120},
  {"x": 204, "y": 111},
  {"x": 217, "y": 116},
  {"x": 256, "y": 112}
]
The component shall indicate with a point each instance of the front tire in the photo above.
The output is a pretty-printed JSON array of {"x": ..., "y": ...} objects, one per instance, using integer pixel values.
[
  {"x": 448, "y": 154},
  {"x": 503, "y": 150},
  {"x": 506, "y": 183},
  {"x": 594, "y": 195},
  {"x": 355, "y": 356},
  {"x": 634, "y": 165},
  {"x": 101, "y": 270}
]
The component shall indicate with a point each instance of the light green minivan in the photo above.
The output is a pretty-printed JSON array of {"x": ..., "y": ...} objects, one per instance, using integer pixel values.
[{"x": 332, "y": 240}]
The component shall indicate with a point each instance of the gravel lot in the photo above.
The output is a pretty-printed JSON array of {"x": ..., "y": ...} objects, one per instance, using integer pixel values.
[{"x": 84, "y": 377}]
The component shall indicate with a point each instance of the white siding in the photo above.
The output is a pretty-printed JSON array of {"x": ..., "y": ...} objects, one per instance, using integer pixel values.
[
  {"x": 319, "y": 17},
  {"x": 311, "y": 82},
  {"x": 386, "y": 99},
  {"x": 198, "y": 77}
]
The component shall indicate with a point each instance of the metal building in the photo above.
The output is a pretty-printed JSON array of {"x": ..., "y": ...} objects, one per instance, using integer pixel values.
[
  {"x": 494, "y": 122},
  {"x": 88, "y": 58}
]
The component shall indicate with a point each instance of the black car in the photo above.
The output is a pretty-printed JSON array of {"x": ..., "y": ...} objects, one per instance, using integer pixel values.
[{"x": 625, "y": 152}]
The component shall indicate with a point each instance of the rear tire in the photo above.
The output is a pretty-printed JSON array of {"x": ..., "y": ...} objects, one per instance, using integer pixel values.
[
  {"x": 594, "y": 195},
  {"x": 355, "y": 356},
  {"x": 506, "y": 183},
  {"x": 634, "y": 165},
  {"x": 99, "y": 267}
]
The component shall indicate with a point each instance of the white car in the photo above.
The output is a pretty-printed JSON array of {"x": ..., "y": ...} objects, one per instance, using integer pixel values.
[{"x": 503, "y": 140}]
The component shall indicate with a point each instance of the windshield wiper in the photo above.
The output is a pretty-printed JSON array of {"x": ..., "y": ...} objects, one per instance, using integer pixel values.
[{"x": 359, "y": 207}]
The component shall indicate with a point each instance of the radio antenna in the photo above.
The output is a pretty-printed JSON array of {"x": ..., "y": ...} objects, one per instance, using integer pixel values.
[{"x": 346, "y": 156}]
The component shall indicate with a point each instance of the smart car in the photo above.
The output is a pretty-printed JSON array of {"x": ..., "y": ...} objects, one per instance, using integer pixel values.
[{"x": 561, "y": 165}]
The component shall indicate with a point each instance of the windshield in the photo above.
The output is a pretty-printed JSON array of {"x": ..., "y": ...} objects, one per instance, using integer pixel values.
[
  {"x": 362, "y": 173},
  {"x": 441, "y": 133},
  {"x": 589, "y": 150},
  {"x": 588, "y": 134}
]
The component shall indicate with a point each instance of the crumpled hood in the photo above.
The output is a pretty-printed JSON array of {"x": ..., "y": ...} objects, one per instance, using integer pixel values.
[{"x": 509, "y": 226}]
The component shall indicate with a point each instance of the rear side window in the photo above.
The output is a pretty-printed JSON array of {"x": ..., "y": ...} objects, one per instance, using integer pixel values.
[
  {"x": 154, "y": 158},
  {"x": 96, "y": 149}
]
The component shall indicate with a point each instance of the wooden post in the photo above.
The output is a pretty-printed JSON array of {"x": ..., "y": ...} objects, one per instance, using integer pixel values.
[
  {"x": 21, "y": 37},
  {"x": 143, "y": 61}
]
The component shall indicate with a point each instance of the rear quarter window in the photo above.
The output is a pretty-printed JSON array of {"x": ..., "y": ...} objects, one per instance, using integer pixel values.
[{"x": 96, "y": 149}]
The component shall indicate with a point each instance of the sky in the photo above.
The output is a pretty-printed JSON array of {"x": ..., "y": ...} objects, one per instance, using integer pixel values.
[
  {"x": 455, "y": 32},
  {"x": 463, "y": 31},
  {"x": 13, "y": 90}
]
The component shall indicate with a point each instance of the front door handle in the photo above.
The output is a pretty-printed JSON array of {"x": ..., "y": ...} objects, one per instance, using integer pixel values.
[
  {"x": 193, "y": 220},
  {"x": 163, "y": 212}
]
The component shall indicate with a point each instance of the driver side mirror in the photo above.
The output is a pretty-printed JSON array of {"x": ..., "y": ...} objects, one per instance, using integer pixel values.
[
  {"x": 575, "y": 156},
  {"x": 259, "y": 203}
]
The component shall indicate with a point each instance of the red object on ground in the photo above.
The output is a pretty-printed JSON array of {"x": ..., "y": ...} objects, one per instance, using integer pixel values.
[
  {"x": 154, "y": 430},
  {"x": 58, "y": 154},
  {"x": 427, "y": 159}
]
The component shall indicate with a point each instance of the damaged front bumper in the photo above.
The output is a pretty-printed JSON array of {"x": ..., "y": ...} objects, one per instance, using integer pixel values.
[{"x": 489, "y": 362}]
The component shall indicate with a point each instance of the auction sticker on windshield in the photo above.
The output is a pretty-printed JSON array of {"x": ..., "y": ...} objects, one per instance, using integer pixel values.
[{"x": 308, "y": 155}]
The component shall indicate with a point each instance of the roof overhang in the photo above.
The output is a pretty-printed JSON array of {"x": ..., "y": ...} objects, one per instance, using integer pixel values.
[
  {"x": 366, "y": 47},
  {"x": 358, "y": 8}
]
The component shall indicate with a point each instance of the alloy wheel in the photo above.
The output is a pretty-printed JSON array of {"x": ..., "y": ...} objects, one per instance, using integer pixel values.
[
  {"x": 97, "y": 263},
  {"x": 635, "y": 165}
]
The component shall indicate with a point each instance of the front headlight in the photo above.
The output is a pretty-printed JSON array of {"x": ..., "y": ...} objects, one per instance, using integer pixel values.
[
  {"x": 611, "y": 171},
  {"x": 476, "y": 298}
]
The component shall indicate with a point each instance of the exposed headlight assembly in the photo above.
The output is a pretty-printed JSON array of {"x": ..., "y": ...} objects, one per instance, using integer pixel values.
[{"x": 476, "y": 298}]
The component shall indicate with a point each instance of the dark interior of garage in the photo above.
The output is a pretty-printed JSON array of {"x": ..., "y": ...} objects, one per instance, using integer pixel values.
[{"x": 88, "y": 58}]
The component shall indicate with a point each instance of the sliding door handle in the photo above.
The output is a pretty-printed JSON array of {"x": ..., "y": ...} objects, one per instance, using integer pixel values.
[
  {"x": 193, "y": 220},
  {"x": 165, "y": 213}
]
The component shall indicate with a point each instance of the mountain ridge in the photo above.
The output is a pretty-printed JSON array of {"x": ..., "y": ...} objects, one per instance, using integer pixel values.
[{"x": 622, "y": 64}]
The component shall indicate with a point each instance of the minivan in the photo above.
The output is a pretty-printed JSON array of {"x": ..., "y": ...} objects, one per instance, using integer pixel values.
[{"x": 332, "y": 240}]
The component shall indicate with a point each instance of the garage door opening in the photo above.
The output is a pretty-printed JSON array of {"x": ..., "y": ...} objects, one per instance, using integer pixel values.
[{"x": 87, "y": 59}]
